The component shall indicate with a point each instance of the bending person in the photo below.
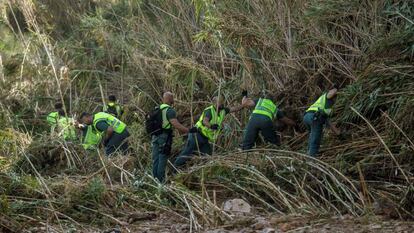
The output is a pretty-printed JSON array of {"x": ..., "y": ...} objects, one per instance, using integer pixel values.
[
  {"x": 206, "y": 130},
  {"x": 317, "y": 116},
  {"x": 261, "y": 121},
  {"x": 114, "y": 131}
]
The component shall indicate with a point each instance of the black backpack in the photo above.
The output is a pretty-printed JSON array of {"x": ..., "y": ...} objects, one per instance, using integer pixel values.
[{"x": 153, "y": 122}]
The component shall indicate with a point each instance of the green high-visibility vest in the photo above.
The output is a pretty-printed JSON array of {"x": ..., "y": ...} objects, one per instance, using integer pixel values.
[
  {"x": 266, "y": 107},
  {"x": 112, "y": 121},
  {"x": 113, "y": 108},
  {"x": 91, "y": 139},
  {"x": 321, "y": 106},
  {"x": 215, "y": 119},
  {"x": 67, "y": 128},
  {"x": 52, "y": 118},
  {"x": 165, "y": 123}
]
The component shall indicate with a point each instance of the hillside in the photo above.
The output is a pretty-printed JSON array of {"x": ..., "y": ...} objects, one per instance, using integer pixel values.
[{"x": 80, "y": 52}]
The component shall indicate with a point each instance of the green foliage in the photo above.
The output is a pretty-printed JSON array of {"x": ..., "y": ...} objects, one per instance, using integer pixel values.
[
  {"x": 94, "y": 191},
  {"x": 196, "y": 49}
]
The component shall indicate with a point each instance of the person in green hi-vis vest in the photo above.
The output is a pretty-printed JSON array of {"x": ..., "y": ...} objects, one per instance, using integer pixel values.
[
  {"x": 206, "y": 130},
  {"x": 113, "y": 107},
  {"x": 114, "y": 131},
  {"x": 261, "y": 121},
  {"x": 53, "y": 117},
  {"x": 91, "y": 138},
  {"x": 161, "y": 143},
  {"x": 66, "y": 127},
  {"x": 317, "y": 116}
]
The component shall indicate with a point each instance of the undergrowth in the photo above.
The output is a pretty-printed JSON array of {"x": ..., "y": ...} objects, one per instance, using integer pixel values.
[{"x": 198, "y": 49}]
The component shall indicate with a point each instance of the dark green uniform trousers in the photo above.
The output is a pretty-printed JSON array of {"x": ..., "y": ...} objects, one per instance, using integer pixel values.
[
  {"x": 195, "y": 143},
  {"x": 117, "y": 142},
  {"x": 161, "y": 149},
  {"x": 315, "y": 127},
  {"x": 259, "y": 123}
]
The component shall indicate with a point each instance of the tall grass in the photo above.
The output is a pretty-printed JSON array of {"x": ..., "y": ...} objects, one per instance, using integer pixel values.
[{"x": 197, "y": 49}]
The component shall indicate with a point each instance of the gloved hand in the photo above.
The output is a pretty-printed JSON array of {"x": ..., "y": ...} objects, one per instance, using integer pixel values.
[
  {"x": 214, "y": 127},
  {"x": 244, "y": 93},
  {"x": 193, "y": 130}
]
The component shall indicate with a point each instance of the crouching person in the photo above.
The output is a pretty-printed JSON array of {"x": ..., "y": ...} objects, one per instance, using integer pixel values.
[
  {"x": 206, "y": 131},
  {"x": 66, "y": 127},
  {"x": 261, "y": 120},
  {"x": 91, "y": 138},
  {"x": 114, "y": 132}
]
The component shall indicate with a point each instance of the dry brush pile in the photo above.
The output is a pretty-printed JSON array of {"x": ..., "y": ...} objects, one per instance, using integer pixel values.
[{"x": 197, "y": 49}]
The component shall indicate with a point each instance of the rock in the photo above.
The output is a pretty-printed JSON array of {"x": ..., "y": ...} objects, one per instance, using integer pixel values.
[
  {"x": 268, "y": 230},
  {"x": 217, "y": 231},
  {"x": 376, "y": 226},
  {"x": 237, "y": 205},
  {"x": 346, "y": 217}
]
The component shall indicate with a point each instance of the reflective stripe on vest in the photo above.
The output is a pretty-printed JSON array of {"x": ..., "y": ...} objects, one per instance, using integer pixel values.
[
  {"x": 66, "y": 128},
  {"x": 112, "y": 121},
  {"x": 320, "y": 105},
  {"x": 165, "y": 123},
  {"x": 91, "y": 139},
  {"x": 265, "y": 107},
  {"x": 52, "y": 118},
  {"x": 215, "y": 119}
]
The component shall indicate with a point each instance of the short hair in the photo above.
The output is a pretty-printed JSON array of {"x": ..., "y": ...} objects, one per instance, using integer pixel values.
[
  {"x": 111, "y": 98},
  {"x": 61, "y": 112},
  {"x": 84, "y": 114},
  {"x": 58, "y": 105}
]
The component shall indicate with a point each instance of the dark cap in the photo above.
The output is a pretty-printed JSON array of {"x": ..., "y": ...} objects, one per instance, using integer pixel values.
[
  {"x": 84, "y": 114},
  {"x": 112, "y": 98},
  {"x": 58, "y": 105}
]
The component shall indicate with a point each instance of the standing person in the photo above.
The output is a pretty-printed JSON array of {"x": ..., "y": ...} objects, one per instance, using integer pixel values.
[
  {"x": 162, "y": 141},
  {"x": 66, "y": 127},
  {"x": 114, "y": 132},
  {"x": 316, "y": 116},
  {"x": 113, "y": 107},
  {"x": 206, "y": 131},
  {"x": 53, "y": 117},
  {"x": 261, "y": 121}
]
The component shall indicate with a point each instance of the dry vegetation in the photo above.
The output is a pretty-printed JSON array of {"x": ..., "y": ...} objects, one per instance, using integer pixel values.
[{"x": 199, "y": 48}]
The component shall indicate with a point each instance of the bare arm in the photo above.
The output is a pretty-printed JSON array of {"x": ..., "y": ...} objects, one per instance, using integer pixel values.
[
  {"x": 236, "y": 108},
  {"x": 287, "y": 121},
  {"x": 181, "y": 128},
  {"x": 334, "y": 129},
  {"x": 108, "y": 133},
  {"x": 206, "y": 122},
  {"x": 248, "y": 103}
]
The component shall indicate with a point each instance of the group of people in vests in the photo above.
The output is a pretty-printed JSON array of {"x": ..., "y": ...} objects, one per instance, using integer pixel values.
[
  {"x": 105, "y": 127},
  {"x": 204, "y": 134}
]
